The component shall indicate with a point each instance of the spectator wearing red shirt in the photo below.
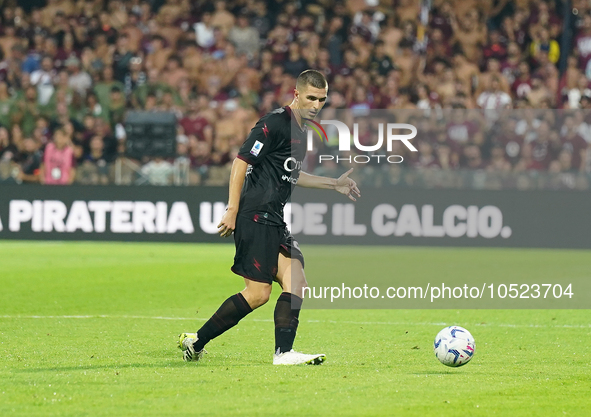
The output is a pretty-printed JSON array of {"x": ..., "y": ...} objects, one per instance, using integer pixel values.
[
  {"x": 195, "y": 124},
  {"x": 544, "y": 146},
  {"x": 510, "y": 66},
  {"x": 200, "y": 155},
  {"x": 67, "y": 50},
  {"x": 426, "y": 157},
  {"x": 527, "y": 162},
  {"x": 278, "y": 42},
  {"x": 513, "y": 28},
  {"x": 440, "y": 19},
  {"x": 563, "y": 164},
  {"x": 472, "y": 158},
  {"x": 498, "y": 162},
  {"x": 573, "y": 143},
  {"x": 545, "y": 16},
  {"x": 508, "y": 140},
  {"x": 522, "y": 84},
  {"x": 361, "y": 101},
  {"x": 448, "y": 151},
  {"x": 460, "y": 130},
  {"x": 438, "y": 48},
  {"x": 495, "y": 48}
]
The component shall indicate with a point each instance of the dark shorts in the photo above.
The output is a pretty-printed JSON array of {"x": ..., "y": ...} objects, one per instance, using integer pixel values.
[{"x": 258, "y": 247}]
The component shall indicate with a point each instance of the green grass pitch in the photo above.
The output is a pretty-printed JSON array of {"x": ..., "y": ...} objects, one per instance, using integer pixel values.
[{"x": 89, "y": 329}]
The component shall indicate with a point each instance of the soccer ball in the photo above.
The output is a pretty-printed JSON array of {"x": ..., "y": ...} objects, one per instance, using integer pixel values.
[{"x": 454, "y": 346}]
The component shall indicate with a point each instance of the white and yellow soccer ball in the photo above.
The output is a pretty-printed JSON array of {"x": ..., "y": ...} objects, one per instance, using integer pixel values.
[{"x": 454, "y": 346}]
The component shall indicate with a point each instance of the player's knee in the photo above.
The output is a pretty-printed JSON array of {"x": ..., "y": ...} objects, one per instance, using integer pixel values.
[
  {"x": 299, "y": 280},
  {"x": 261, "y": 298},
  {"x": 257, "y": 297},
  {"x": 304, "y": 283},
  {"x": 265, "y": 297}
]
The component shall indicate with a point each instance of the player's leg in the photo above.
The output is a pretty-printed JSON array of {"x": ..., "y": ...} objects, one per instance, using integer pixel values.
[
  {"x": 292, "y": 279},
  {"x": 234, "y": 309},
  {"x": 256, "y": 293},
  {"x": 257, "y": 248}
]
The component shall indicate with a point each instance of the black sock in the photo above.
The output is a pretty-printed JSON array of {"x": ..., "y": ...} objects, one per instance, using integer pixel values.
[
  {"x": 286, "y": 321},
  {"x": 228, "y": 315}
]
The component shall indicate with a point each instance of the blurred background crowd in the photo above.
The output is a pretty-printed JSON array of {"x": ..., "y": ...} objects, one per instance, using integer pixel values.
[{"x": 70, "y": 71}]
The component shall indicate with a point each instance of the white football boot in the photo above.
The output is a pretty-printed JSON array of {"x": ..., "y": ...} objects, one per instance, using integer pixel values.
[{"x": 296, "y": 358}]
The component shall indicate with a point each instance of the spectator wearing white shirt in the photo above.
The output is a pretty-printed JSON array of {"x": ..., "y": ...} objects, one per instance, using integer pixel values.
[
  {"x": 43, "y": 80},
  {"x": 245, "y": 37},
  {"x": 204, "y": 31},
  {"x": 494, "y": 98},
  {"x": 583, "y": 128},
  {"x": 78, "y": 80},
  {"x": 369, "y": 20},
  {"x": 158, "y": 172},
  {"x": 574, "y": 94}
]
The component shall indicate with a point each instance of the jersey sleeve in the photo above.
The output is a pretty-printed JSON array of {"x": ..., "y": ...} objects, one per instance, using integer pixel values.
[{"x": 260, "y": 141}]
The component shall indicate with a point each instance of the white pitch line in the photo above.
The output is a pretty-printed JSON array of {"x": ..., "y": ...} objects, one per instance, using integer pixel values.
[
  {"x": 102, "y": 316},
  {"x": 378, "y": 323}
]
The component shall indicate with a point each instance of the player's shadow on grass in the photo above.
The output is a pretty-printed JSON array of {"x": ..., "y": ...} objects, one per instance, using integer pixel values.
[
  {"x": 113, "y": 367},
  {"x": 152, "y": 361}
]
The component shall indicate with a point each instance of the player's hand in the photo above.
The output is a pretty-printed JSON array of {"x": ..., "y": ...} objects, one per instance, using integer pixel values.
[
  {"x": 228, "y": 223},
  {"x": 347, "y": 186}
]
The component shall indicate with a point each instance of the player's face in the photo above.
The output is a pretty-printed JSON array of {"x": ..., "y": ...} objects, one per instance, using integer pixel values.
[{"x": 310, "y": 100}]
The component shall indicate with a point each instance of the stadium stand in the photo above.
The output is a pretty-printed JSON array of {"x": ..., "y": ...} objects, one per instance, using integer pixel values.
[{"x": 218, "y": 66}]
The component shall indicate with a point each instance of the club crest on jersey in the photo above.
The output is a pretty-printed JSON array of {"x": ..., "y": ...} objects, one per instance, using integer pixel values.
[{"x": 256, "y": 148}]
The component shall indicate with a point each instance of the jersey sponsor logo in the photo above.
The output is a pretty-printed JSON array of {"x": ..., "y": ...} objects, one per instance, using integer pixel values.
[
  {"x": 290, "y": 179},
  {"x": 291, "y": 164},
  {"x": 256, "y": 148}
]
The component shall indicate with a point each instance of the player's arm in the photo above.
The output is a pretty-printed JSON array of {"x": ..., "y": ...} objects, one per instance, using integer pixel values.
[
  {"x": 314, "y": 181},
  {"x": 228, "y": 223},
  {"x": 343, "y": 184},
  {"x": 254, "y": 149}
]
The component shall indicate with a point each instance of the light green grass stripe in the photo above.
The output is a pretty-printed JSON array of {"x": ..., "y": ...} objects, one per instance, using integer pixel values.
[{"x": 375, "y": 323}]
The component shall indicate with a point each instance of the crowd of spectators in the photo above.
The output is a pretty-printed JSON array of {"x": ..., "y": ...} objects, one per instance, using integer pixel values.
[{"x": 70, "y": 70}]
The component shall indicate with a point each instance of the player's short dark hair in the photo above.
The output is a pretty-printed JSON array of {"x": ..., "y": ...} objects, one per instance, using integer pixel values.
[{"x": 312, "y": 78}]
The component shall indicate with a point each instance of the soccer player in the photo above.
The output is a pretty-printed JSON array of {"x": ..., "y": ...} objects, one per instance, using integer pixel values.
[{"x": 263, "y": 174}]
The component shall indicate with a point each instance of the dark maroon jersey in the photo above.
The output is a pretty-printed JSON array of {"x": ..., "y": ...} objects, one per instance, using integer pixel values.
[{"x": 274, "y": 149}]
